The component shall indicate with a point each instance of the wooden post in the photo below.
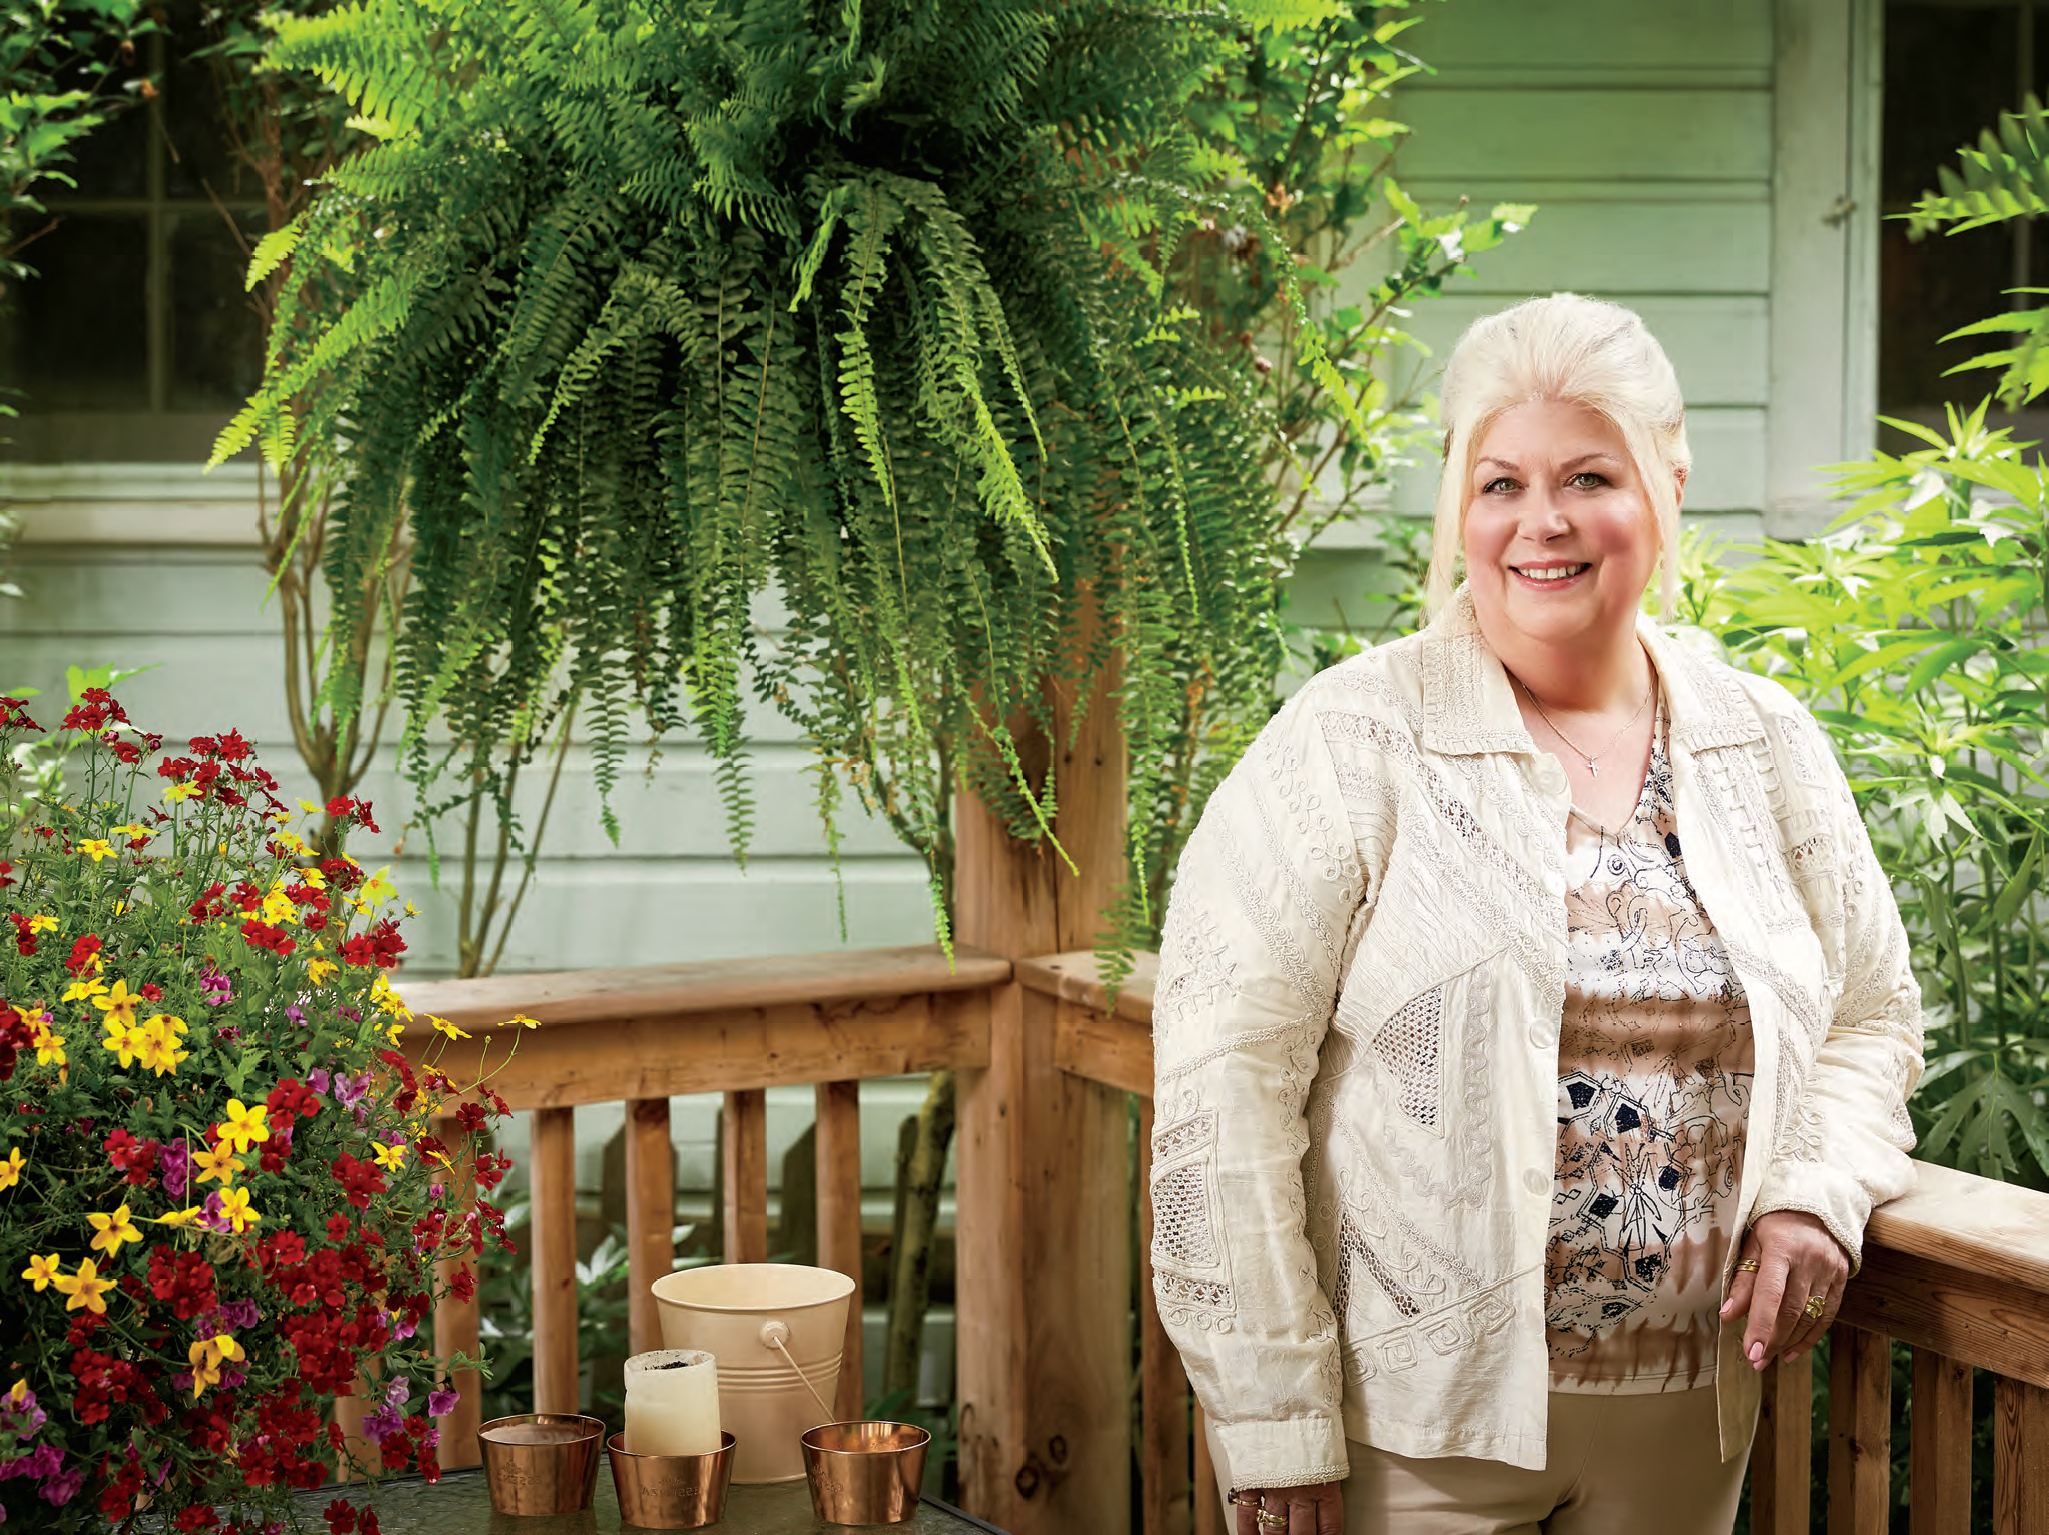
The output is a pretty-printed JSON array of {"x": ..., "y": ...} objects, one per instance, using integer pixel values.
[
  {"x": 2020, "y": 1459},
  {"x": 1781, "y": 1453},
  {"x": 650, "y": 1216},
  {"x": 1940, "y": 1446},
  {"x": 1043, "y": 1188},
  {"x": 745, "y": 1156},
  {"x": 554, "y": 1260},
  {"x": 1859, "y": 1431},
  {"x": 1163, "y": 1389},
  {"x": 457, "y": 1324},
  {"x": 838, "y": 1153}
]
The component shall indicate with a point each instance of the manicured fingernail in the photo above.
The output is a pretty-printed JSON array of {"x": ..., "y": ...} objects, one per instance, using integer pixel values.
[
  {"x": 1790, "y": 1357},
  {"x": 1757, "y": 1354}
]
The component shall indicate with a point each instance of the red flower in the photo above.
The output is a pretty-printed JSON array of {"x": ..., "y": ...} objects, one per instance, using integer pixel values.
[
  {"x": 151, "y": 992},
  {"x": 208, "y": 904},
  {"x": 15, "y": 1037},
  {"x": 14, "y": 712},
  {"x": 24, "y": 935},
  {"x": 261, "y": 935},
  {"x": 340, "y": 1516},
  {"x": 6, "y": 874},
  {"x": 380, "y": 946},
  {"x": 464, "y": 1285},
  {"x": 359, "y": 1180},
  {"x": 94, "y": 711},
  {"x": 82, "y": 953},
  {"x": 341, "y": 874},
  {"x": 196, "y": 1516},
  {"x": 137, "y": 1159}
]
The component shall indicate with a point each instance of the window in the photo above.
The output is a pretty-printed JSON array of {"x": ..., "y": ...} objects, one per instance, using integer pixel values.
[
  {"x": 1950, "y": 70},
  {"x": 135, "y": 341}
]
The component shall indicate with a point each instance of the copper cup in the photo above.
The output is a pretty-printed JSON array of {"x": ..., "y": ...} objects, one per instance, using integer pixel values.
[
  {"x": 865, "y": 1472},
  {"x": 541, "y": 1462},
  {"x": 671, "y": 1492}
]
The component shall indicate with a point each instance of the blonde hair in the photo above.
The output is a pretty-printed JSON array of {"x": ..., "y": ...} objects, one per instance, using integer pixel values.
[{"x": 1572, "y": 350}]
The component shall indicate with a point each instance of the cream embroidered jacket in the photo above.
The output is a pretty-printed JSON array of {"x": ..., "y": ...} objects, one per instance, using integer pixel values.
[{"x": 1356, "y": 1033}]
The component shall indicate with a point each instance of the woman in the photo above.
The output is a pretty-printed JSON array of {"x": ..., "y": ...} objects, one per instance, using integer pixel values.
[{"x": 1534, "y": 1024}]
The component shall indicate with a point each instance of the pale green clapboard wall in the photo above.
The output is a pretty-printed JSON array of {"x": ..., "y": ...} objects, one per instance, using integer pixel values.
[{"x": 1643, "y": 132}]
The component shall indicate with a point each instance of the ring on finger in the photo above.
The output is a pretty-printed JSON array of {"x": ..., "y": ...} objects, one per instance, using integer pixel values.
[
  {"x": 1816, "y": 1305},
  {"x": 1270, "y": 1520},
  {"x": 1747, "y": 1266}
]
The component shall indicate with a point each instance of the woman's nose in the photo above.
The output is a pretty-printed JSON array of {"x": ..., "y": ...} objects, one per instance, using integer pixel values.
[{"x": 1544, "y": 514}]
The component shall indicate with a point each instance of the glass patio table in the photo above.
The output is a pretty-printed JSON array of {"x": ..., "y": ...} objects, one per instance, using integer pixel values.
[{"x": 460, "y": 1504}]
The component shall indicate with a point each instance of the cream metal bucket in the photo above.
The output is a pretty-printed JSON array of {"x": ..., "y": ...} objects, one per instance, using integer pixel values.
[{"x": 765, "y": 1322}]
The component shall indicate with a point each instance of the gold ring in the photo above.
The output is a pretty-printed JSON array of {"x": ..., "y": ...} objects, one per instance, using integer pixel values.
[
  {"x": 1816, "y": 1304},
  {"x": 1271, "y": 1520},
  {"x": 1747, "y": 1266}
]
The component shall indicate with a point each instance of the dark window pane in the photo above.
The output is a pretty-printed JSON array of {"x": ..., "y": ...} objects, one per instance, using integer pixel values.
[
  {"x": 76, "y": 336},
  {"x": 1950, "y": 70},
  {"x": 199, "y": 153},
  {"x": 216, "y": 337},
  {"x": 112, "y": 160}
]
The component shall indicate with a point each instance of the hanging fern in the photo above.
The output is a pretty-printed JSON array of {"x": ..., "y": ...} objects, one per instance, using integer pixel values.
[{"x": 650, "y": 308}]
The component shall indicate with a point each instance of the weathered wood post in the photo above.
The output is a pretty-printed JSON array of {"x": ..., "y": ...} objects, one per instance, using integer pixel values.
[{"x": 1043, "y": 1267}]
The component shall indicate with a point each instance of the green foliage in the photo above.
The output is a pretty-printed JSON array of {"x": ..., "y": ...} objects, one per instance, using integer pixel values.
[
  {"x": 2005, "y": 177},
  {"x": 66, "y": 66},
  {"x": 646, "y": 309},
  {"x": 1914, "y": 631}
]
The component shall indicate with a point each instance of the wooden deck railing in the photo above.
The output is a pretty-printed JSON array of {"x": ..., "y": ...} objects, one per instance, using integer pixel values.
[{"x": 1959, "y": 1269}]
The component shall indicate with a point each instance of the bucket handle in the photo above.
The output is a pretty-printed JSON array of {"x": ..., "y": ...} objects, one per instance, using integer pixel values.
[{"x": 776, "y": 1335}]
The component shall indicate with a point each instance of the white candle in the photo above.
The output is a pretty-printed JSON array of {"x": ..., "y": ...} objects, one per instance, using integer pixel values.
[{"x": 672, "y": 1403}]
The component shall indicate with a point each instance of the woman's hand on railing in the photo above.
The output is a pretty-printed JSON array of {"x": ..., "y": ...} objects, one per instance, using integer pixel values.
[
  {"x": 1789, "y": 1282},
  {"x": 1318, "y": 1509}
]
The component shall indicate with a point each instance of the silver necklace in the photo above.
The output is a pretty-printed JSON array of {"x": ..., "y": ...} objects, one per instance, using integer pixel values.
[{"x": 1591, "y": 760}]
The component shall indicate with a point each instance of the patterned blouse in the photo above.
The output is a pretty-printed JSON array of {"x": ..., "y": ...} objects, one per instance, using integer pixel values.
[{"x": 1654, "y": 1069}]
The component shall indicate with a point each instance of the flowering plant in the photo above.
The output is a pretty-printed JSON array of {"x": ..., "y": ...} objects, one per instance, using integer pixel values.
[{"x": 225, "y": 1197}]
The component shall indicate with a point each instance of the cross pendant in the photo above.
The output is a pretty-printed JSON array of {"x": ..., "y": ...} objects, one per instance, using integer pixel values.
[{"x": 1592, "y": 771}]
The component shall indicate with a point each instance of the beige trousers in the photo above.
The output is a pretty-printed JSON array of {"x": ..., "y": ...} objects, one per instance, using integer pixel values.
[{"x": 1618, "y": 1465}]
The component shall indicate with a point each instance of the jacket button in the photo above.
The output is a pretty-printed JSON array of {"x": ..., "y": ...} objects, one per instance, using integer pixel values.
[
  {"x": 1540, "y": 1038},
  {"x": 1535, "y": 1181}
]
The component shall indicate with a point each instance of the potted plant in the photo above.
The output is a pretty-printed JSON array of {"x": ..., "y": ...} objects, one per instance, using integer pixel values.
[{"x": 222, "y": 1200}]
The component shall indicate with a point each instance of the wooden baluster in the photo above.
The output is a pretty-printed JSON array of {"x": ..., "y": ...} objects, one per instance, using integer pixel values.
[
  {"x": 349, "y": 1412},
  {"x": 1208, "y": 1503},
  {"x": 1163, "y": 1389},
  {"x": 1940, "y": 1446},
  {"x": 1781, "y": 1452},
  {"x": 650, "y": 1217},
  {"x": 745, "y": 1151},
  {"x": 2020, "y": 1459},
  {"x": 1859, "y": 1431},
  {"x": 457, "y": 1326},
  {"x": 837, "y": 1150},
  {"x": 554, "y": 1260}
]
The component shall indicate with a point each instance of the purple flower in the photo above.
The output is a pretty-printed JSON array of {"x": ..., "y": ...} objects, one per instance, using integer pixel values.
[
  {"x": 403, "y": 1325},
  {"x": 397, "y": 1392},
  {"x": 228, "y": 1035},
  {"x": 211, "y": 1217},
  {"x": 44, "y": 1460},
  {"x": 176, "y": 1168},
  {"x": 349, "y": 1013},
  {"x": 381, "y": 1424},
  {"x": 292, "y": 1012},
  {"x": 230, "y": 1379},
  {"x": 241, "y": 1313},
  {"x": 218, "y": 990},
  {"x": 441, "y": 1403},
  {"x": 350, "y": 1091},
  {"x": 63, "y": 1487},
  {"x": 319, "y": 1078}
]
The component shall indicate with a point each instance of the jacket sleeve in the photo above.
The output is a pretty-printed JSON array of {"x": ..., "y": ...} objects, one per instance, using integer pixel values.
[
  {"x": 1263, "y": 899},
  {"x": 1844, "y": 1146}
]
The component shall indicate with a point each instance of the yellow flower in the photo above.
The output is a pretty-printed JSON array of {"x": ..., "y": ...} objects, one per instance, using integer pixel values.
[
  {"x": 310, "y": 807},
  {"x": 312, "y": 878},
  {"x": 96, "y": 848},
  {"x": 49, "y": 1046},
  {"x": 134, "y": 829},
  {"x": 321, "y": 969},
  {"x": 83, "y": 1288},
  {"x": 278, "y": 908},
  {"x": 18, "y": 1393},
  {"x": 40, "y": 923},
  {"x": 113, "y": 1231},
  {"x": 42, "y": 1271},
  {"x": 244, "y": 1128},
  {"x": 178, "y": 1217},
  {"x": 87, "y": 985},
  {"x": 156, "y": 1044},
  {"x": 180, "y": 791},
  {"x": 220, "y": 1162},
  {"x": 10, "y": 1167},
  {"x": 123, "y": 1041},
  {"x": 208, "y": 1355},
  {"x": 119, "y": 1003},
  {"x": 377, "y": 889},
  {"x": 388, "y": 1001},
  {"x": 443, "y": 1026},
  {"x": 525, "y": 1022},
  {"x": 390, "y": 1158},
  {"x": 235, "y": 1209}
]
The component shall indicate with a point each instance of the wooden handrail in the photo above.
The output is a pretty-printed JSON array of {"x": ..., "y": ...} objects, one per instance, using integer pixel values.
[
  {"x": 644, "y": 1035},
  {"x": 1958, "y": 1268}
]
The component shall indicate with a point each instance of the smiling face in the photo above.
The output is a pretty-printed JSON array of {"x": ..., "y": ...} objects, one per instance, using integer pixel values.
[{"x": 1560, "y": 538}]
